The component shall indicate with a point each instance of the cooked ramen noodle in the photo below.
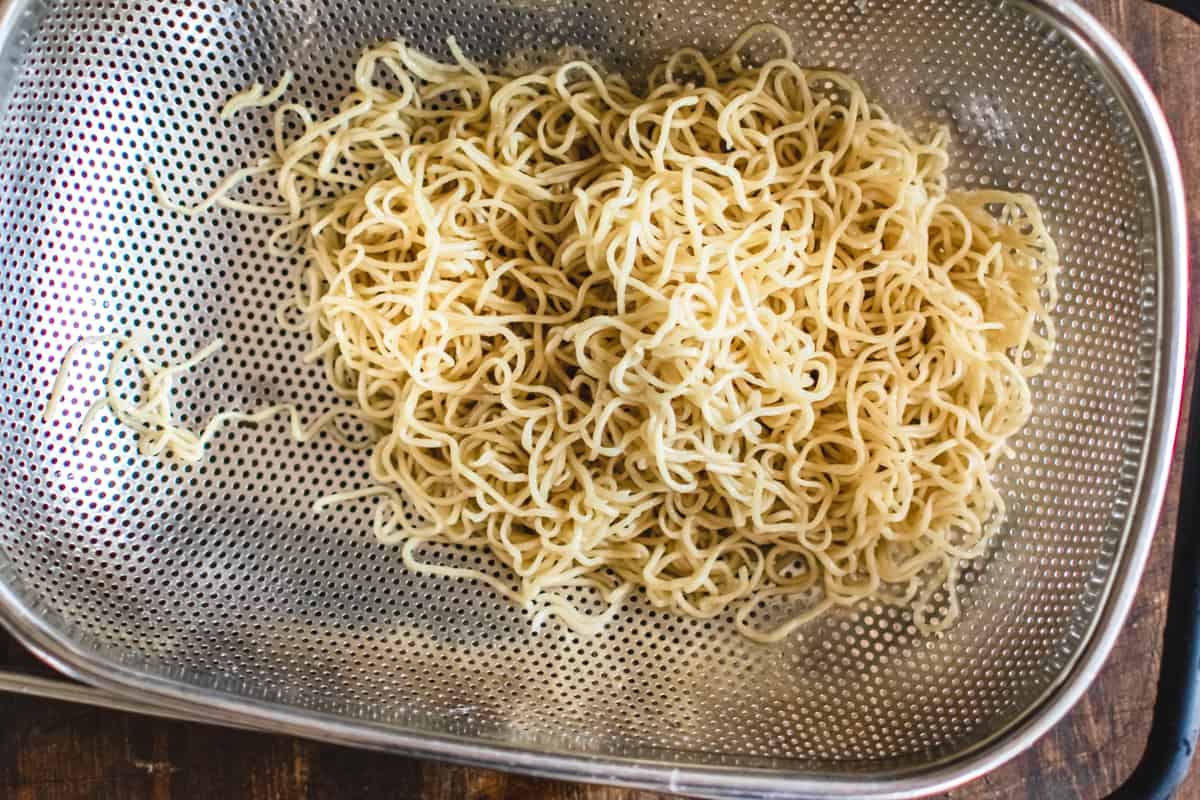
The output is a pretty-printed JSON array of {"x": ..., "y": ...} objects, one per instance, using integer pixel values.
[{"x": 730, "y": 341}]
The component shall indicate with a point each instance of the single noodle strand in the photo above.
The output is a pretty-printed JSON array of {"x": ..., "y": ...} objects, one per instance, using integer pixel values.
[{"x": 253, "y": 97}]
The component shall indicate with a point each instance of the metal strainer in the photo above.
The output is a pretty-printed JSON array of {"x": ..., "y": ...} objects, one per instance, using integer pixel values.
[{"x": 217, "y": 587}]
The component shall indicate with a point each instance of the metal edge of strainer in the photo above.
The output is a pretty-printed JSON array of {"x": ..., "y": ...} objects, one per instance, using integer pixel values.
[{"x": 120, "y": 686}]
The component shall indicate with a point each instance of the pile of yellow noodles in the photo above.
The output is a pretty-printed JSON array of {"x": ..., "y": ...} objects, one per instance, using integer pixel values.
[{"x": 731, "y": 341}]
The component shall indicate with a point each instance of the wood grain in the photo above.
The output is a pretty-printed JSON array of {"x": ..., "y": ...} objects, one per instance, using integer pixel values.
[{"x": 51, "y": 750}]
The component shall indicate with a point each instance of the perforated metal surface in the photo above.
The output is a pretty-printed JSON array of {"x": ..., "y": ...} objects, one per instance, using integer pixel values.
[{"x": 220, "y": 576}]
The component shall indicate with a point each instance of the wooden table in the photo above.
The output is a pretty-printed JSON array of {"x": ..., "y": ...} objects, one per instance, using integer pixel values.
[{"x": 52, "y": 750}]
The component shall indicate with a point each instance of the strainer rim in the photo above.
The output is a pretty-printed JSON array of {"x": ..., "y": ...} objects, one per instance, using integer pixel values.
[{"x": 51, "y": 643}]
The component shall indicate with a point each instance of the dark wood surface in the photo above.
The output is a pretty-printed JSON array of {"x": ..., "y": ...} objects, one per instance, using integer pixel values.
[{"x": 51, "y": 750}]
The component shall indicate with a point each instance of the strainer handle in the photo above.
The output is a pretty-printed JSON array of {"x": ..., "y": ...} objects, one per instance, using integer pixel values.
[
  {"x": 1175, "y": 727},
  {"x": 1189, "y": 8}
]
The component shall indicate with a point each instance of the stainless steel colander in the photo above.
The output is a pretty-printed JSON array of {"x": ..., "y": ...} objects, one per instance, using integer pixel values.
[{"x": 216, "y": 588}]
